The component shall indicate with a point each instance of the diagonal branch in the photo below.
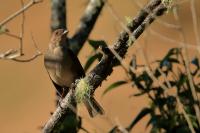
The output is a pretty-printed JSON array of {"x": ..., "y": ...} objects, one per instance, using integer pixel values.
[
  {"x": 86, "y": 25},
  {"x": 108, "y": 61}
]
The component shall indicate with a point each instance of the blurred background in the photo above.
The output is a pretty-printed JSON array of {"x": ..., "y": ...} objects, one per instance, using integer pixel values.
[{"x": 27, "y": 95}]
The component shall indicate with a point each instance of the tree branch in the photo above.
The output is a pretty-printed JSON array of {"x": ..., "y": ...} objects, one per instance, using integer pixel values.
[
  {"x": 108, "y": 61},
  {"x": 30, "y": 4},
  {"x": 86, "y": 25},
  {"x": 15, "y": 54},
  {"x": 58, "y": 14}
]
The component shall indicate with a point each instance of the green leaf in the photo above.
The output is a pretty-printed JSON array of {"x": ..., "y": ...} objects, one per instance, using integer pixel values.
[
  {"x": 154, "y": 120},
  {"x": 143, "y": 81},
  {"x": 113, "y": 86},
  {"x": 173, "y": 60},
  {"x": 193, "y": 119},
  {"x": 195, "y": 61},
  {"x": 96, "y": 43},
  {"x": 142, "y": 114},
  {"x": 182, "y": 79},
  {"x": 91, "y": 60},
  {"x": 169, "y": 58},
  {"x": 139, "y": 94}
]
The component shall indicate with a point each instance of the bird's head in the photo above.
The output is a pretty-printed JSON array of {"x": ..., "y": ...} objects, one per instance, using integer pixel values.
[{"x": 59, "y": 37}]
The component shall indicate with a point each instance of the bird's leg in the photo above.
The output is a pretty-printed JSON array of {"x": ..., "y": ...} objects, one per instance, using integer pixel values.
[
  {"x": 61, "y": 96},
  {"x": 59, "y": 102},
  {"x": 63, "y": 93}
]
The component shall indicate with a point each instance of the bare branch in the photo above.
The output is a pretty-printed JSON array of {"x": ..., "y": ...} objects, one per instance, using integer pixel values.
[
  {"x": 195, "y": 22},
  {"x": 86, "y": 25},
  {"x": 58, "y": 14},
  {"x": 15, "y": 54},
  {"x": 178, "y": 44},
  {"x": 186, "y": 59},
  {"x": 30, "y": 4},
  {"x": 38, "y": 53},
  {"x": 22, "y": 30},
  {"x": 12, "y": 35},
  {"x": 27, "y": 60},
  {"x": 116, "y": 17},
  {"x": 10, "y": 54},
  {"x": 59, "y": 114}
]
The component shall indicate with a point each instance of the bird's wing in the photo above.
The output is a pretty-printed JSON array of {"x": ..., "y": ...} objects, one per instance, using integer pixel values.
[
  {"x": 59, "y": 89},
  {"x": 79, "y": 68},
  {"x": 59, "y": 54},
  {"x": 51, "y": 62}
]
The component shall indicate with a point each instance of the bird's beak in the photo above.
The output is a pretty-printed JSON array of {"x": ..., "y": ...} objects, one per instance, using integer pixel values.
[{"x": 65, "y": 32}]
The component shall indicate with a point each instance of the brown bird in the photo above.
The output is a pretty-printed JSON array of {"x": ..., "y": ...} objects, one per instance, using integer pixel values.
[{"x": 64, "y": 68}]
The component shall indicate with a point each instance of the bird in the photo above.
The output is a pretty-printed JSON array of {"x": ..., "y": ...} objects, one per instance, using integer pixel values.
[{"x": 63, "y": 68}]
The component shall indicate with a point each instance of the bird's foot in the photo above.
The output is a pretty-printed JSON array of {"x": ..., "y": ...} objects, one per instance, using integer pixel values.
[{"x": 59, "y": 103}]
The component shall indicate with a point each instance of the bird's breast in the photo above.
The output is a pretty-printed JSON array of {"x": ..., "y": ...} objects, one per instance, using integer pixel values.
[{"x": 60, "y": 68}]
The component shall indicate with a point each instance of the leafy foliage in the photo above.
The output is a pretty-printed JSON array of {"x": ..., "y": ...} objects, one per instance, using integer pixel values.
[
  {"x": 95, "y": 55},
  {"x": 165, "y": 116},
  {"x": 113, "y": 86},
  {"x": 91, "y": 60},
  {"x": 163, "y": 109},
  {"x": 164, "y": 113}
]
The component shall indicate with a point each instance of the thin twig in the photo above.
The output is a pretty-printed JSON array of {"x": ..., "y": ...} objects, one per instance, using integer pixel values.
[
  {"x": 27, "y": 60},
  {"x": 182, "y": 110},
  {"x": 167, "y": 24},
  {"x": 12, "y": 35},
  {"x": 191, "y": 46},
  {"x": 195, "y": 21},
  {"x": 34, "y": 43},
  {"x": 146, "y": 21},
  {"x": 22, "y": 30},
  {"x": 166, "y": 93},
  {"x": 116, "y": 17},
  {"x": 151, "y": 75},
  {"x": 86, "y": 24},
  {"x": 10, "y": 54},
  {"x": 14, "y": 54},
  {"x": 148, "y": 69},
  {"x": 186, "y": 59},
  {"x": 165, "y": 78},
  {"x": 38, "y": 53},
  {"x": 30, "y": 4},
  {"x": 181, "y": 106},
  {"x": 120, "y": 128}
]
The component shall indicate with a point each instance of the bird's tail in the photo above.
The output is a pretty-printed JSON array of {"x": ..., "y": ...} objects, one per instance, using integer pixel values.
[{"x": 93, "y": 107}]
